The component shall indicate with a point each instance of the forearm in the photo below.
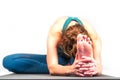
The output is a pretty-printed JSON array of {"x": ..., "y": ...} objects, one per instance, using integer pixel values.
[
  {"x": 61, "y": 70},
  {"x": 99, "y": 68},
  {"x": 97, "y": 55}
]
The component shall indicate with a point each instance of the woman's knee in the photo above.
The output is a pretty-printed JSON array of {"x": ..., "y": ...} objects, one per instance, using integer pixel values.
[{"x": 7, "y": 60}]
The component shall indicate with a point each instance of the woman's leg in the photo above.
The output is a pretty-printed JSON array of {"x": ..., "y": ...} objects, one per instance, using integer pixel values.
[
  {"x": 30, "y": 63},
  {"x": 26, "y": 63}
]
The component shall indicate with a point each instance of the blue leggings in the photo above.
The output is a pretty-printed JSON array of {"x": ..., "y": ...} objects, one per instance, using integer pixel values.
[{"x": 23, "y": 63}]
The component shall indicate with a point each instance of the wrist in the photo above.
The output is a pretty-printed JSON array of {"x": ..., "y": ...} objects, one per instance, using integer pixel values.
[
  {"x": 99, "y": 69},
  {"x": 73, "y": 70},
  {"x": 70, "y": 70}
]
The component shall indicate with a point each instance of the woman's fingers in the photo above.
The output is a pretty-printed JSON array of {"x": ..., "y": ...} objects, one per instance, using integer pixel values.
[
  {"x": 90, "y": 73},
  {"x": 79, "y": 74},
  {"x": 85, "y": 67},
  {"x": 89, "y": 65},
  {"x": 85, "y": 72},
  {"x": 87, "y": 59}
]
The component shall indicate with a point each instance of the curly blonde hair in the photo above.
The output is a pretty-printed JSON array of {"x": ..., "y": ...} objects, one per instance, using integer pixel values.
[{"x": 69, "y": 39}]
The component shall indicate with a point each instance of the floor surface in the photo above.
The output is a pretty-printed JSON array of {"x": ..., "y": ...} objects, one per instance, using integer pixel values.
[{"x": 47, "y": 76}]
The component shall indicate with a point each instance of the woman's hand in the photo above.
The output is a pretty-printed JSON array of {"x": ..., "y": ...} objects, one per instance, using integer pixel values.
[
  {"x": 84, "y": 67},
  {"x": 90, "y": 66},
  {"x": 76, "y": 68}
]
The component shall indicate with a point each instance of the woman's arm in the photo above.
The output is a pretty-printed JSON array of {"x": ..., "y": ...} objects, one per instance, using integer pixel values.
[
  {"x": 54, "y": 36},
  {"x": 97, "y": 46},
  {"x": 52, "y": 57}
]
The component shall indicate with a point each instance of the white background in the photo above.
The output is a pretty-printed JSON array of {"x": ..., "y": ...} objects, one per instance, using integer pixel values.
[{"x": 24, "y": 26}]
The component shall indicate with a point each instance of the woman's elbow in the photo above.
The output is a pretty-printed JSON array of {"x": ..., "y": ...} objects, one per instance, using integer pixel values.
[{"x": 51, "y": 70}]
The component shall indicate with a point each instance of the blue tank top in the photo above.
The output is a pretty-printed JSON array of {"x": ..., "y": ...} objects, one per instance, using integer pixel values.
[{"x": 69, "y": 19}]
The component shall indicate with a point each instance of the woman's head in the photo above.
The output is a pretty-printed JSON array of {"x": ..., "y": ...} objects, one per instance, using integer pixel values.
[{"x": 69, "y": 39}]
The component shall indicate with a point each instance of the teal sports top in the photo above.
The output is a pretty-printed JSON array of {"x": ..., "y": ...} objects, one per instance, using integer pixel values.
[{"x": 69, "y": 19}]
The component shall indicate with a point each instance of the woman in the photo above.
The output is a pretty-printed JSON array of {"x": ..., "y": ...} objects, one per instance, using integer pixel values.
[{"x": 73, "y": 48}]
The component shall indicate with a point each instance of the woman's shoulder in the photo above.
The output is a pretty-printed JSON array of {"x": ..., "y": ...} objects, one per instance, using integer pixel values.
[
  {"x": 90, "y": 29},
  {"x": 58, "y": 24},
  {"x": 60, "y": 21}
]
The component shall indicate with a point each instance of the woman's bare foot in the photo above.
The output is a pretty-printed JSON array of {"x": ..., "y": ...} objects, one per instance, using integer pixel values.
[{"x": 84, "y": 47}]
